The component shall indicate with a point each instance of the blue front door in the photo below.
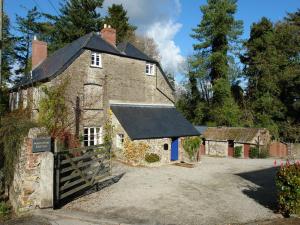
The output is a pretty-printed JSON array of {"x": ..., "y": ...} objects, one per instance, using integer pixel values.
[{"x": 174, "y": 149}]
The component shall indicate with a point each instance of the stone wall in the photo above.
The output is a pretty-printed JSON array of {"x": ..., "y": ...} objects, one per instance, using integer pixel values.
[
  {"x": 32, "y": 186},
  {"x": 155, "y": 145},
  {"x": 216, "y": 148},
  {"x": 295, "y": 150}
]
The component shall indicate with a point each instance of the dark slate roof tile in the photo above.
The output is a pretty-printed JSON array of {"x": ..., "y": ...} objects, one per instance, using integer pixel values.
[{"x": 149, "y": 122}]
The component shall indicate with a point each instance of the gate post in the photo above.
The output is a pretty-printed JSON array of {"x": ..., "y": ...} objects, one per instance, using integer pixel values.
[{"x": 56, "y": 180}]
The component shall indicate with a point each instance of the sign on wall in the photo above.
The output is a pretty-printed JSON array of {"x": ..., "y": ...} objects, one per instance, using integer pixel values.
[{"x": 42, "y": 144}]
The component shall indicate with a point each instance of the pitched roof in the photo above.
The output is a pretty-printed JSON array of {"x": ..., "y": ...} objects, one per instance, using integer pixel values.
[
  {"x": 130, "y": 50},
  {"x": 237, "y": 134},
  {"x": 149, "y": 122},
  {"x": 63, "y": 57}
]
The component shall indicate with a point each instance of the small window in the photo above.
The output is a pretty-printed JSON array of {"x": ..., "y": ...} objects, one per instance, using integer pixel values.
[
  {"x": 92, "y": 136},
  {"x": 96, "y": 59},
  {"x": 150, "y": 68},
  {"x": 166, "y": 146},
  {"x": 120, "y": 140}
]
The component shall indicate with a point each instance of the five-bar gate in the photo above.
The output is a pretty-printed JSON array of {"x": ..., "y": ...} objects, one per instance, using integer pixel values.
[{"x": 78, "y": 170}]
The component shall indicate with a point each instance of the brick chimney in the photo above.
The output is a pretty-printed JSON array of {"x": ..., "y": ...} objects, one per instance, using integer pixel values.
[
  {"x": 109, "y": 34},
  {"x": 39, "y": 52}
]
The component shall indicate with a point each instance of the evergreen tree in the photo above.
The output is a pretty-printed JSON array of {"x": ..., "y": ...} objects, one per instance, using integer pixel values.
[
  {"x": 6, "y": 64},
  {"x": 27, "y": 27},
  {"x": 8, "y": 55},
  {"x": 118, "y": 19},
  {"x": 217, "y": 36},
  {"x": 262, "y": 70},
  {"x": 272, "y": 66},
  {"x": 76, "y": 18}
]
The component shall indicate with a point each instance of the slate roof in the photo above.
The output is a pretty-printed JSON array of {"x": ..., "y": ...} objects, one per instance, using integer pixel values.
[
  {"x": 149, "y": 122},
  {"x": 237, "y": 134},
  {"x": 63, "y": 57}
]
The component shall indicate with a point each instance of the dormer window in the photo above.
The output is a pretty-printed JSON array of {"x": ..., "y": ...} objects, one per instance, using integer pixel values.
[
  {"x": 150, "y": 69},
  {"x": 96, "y": 59}
]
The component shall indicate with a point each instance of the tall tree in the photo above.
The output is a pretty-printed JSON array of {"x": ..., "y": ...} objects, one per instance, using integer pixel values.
[
  {"x": 272, "y": 66},
  {"x": 218, "y": 36},
  {"x": 27, "y": 27},
  {"x": 7, "y": 62},
  {"x": 8, "y": 54},
  {"x": 76, "y": 18},
  {"x": 262, "y": 69},
  {"x": 118, "y": 19}
]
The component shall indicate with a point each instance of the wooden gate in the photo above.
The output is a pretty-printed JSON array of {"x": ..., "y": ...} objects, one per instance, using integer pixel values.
[{"x": 78, "y": 170}]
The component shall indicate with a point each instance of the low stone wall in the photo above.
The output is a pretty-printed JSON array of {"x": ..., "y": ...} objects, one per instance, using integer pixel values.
[
  {"x": 295, "y": 150},
  {"x": 216, "y": 148},
  {"x": 32, "y": 186}
]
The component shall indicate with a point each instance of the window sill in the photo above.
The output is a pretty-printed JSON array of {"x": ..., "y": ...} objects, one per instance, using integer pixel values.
[
  {"x": 148, "y": 74},
  {"x": 94, "y": 66}
]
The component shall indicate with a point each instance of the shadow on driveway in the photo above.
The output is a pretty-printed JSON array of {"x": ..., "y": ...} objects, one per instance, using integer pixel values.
[{"x": 265, "y": 193}]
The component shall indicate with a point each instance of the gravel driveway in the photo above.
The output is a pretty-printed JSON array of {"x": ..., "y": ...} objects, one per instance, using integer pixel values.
[{"x": 216, "y": 191}]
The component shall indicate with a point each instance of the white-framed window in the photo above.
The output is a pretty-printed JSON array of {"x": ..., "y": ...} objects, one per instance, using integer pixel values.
[
  {"x": 92, "y": 136},
  {"x": 96, "y": 60},
  {"x": 150, "y": 68},
  {"x": 120, "y": 140}
]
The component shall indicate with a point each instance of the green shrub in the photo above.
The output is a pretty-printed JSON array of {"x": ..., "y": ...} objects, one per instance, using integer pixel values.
[
  {"x": 152, "y": 157},
  {"x": 4, "y": 210},
  {"x": 237, "y": 151},
  {"x": 288, "y": 189},
  {"x": 254, "y": 152},
  {"x": 13, "y": 128},
  {"x": 264, "y": 153},
  {"x": 191, "y": 146}
]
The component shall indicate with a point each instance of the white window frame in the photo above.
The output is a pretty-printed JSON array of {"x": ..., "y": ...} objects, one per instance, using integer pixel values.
[
  {"x": 150, "y": 69},
  {"x": 96, "y": 59},
  {"x": 92, "y": 137},
  {"x": 120, "y": 140}
]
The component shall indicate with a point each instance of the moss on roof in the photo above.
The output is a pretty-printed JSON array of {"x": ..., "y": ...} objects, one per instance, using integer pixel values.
[{"x": 237, "y": 134}]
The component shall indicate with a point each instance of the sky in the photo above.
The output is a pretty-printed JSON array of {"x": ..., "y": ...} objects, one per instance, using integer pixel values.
[{"x": 168, "y": 22}]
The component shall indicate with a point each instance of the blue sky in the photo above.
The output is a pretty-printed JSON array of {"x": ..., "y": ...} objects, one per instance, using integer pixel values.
[{"x": 169, "y": 22}]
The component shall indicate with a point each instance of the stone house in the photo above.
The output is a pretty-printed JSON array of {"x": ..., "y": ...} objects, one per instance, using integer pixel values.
[
  {"x": 220, "y": 141},
  {"x": 107, "y": 82}
]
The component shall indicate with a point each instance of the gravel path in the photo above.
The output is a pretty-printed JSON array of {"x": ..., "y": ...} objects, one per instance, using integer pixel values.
[{"x": 216, "y": 191}]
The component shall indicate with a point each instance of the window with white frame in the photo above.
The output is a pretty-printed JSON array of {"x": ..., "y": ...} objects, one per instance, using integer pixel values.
[
  {"x": 120, "y": 140},
  {"x": 96, "y": 59},
  {"x": 92, "y": 136},
  {"x": 150, "y": 68}
]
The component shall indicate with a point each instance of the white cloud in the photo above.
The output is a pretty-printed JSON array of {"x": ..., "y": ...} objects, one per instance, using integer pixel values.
[
  {"x": 163, "y": 33},
  {"x": 157, "y": 19}
]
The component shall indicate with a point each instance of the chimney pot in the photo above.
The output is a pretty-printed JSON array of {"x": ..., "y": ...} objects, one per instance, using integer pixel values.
[
  {"x": 109, "y": 34},
  {"x": 39, "y": 52}
]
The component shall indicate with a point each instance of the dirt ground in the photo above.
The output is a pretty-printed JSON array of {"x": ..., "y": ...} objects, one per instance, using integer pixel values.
[{"x": 216, "y": 191}]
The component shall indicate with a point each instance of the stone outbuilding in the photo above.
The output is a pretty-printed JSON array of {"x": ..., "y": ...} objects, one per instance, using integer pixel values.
[{"x": 220, "y": 141}]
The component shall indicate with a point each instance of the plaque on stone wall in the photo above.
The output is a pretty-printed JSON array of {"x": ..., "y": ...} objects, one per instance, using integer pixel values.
[{"x": 41, "y": 144}]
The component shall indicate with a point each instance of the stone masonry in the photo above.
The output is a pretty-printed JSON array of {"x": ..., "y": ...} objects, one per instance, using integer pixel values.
[{"x": 32, "y": 186}]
